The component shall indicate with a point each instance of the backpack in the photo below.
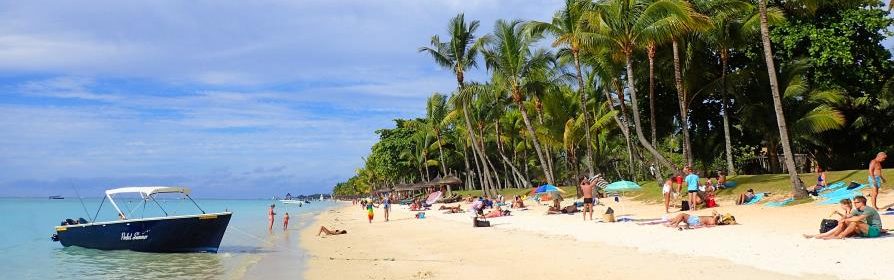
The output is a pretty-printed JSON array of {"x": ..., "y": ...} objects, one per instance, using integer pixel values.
[
  {"x": 684, "y": 206},
  {"x": 827, "y": 225}
]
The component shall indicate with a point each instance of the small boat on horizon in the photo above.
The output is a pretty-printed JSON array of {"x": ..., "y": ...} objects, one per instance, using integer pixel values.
[
  {"x": 185, "y": 233},
  {"x": 56, "y": 197}
]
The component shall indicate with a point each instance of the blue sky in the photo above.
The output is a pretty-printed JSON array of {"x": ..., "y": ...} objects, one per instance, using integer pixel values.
[{"x": 234, "y": 99}]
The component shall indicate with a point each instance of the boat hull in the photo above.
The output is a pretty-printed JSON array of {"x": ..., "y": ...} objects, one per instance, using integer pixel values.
[{"x": 194, "y": 233}]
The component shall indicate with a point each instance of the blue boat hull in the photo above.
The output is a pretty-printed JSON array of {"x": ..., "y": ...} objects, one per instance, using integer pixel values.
[{"x": 196, "y": 233}]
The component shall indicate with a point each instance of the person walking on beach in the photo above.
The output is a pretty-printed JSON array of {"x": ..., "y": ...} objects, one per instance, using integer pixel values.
[
  {"x": 586, "y": 187},
  {"x": 667, "y": 191},
  {"x": 285, "y": 221},
  {"x": 369, "y": 211},
  {"x": 270, "y": 215},
  {"x": 386, "y": 205},
  {"x": 875, "y": 176},
  {"x": 692, "y": 188}
]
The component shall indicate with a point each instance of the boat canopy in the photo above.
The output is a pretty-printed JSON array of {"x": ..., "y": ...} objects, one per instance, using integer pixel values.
[{"x": 147, "y": 191}]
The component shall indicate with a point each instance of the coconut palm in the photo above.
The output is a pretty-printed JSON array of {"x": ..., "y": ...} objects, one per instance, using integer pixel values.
[
  {"x": 511, "y": 59},
  {"x": 568, "y": 32},
  {"x": 458, "y": 55},
  {"x": 798, "y": 190},
  {"x": 625, "y": 24}
]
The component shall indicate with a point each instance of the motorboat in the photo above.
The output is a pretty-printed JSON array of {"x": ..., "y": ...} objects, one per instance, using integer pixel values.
[
  {"x": 56, "y": 197},
  {"x": 182, "y": 233}
]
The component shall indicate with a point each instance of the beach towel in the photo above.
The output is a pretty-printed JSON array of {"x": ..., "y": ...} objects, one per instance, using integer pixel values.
[
  {"x": 757, "y": 198},
  {"x": 780, "y": 203},
  {"x": 842, "y": 193}
]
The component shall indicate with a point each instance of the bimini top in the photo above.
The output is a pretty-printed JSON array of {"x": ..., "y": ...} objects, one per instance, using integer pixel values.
[{"x": 146, "y": 191}]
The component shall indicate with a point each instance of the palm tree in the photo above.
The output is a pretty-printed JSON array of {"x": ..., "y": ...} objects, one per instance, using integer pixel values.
[
  {"x": 512, "y": 61},
  {"x": 567, "y": 30},
  {"x": 691, "y": 22},
  {"x": 623, "y": 24},
  {"x": 436, "y": 112},
  {"x": 798, "y": 190},
  {"x": 458, "y": 54}
]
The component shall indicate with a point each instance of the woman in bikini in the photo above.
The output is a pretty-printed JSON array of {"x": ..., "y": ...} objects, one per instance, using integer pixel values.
[
  {"x": 331, "y": 232},
  {"x": 702, "y": 221},
  {"x": 270, "y": 217}
]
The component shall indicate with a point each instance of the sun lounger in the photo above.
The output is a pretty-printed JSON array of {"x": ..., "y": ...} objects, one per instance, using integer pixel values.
[{"x": 757, "y": 198}]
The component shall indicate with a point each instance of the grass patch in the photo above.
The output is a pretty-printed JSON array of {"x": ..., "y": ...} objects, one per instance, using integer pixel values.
[{"x": 773, "y": 183}]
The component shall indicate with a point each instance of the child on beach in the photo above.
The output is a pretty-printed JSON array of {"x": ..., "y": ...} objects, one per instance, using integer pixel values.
[
  {"x": 285, "y": 221},
  {"x": 667, "y": 191}
]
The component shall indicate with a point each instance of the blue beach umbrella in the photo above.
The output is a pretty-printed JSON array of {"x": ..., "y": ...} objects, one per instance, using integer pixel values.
[
  {"x": 622, "y": 186},
  {"x": 547, "y": 188}
]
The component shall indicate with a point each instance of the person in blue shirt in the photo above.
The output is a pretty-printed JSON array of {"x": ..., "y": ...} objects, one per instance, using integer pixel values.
[{"x": 692, "y": 188}]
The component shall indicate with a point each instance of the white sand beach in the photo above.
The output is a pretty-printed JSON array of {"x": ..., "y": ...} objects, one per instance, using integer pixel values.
[{"x": 767, "y": 244}]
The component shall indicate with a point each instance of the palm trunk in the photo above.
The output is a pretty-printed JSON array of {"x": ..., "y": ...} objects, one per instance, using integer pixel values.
[
  {"x": 583, "y": 104},
  {"x": 506, "y": 160},
  {"x": 681, "y": 96},
  {"x": 524, "y": 112},
  {"x": 636, "y": 122},
  {"x": 624, "y": 129},
  {"x": 724, "y": 60},
  {"x": 798, "y": 190},
  {"x": 441, "y": 153},
  {"x": 651, "y": 55},
  {"x": 468, "y": 181}
]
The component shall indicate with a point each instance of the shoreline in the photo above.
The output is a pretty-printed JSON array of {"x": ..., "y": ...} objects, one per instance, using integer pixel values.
[{"x": 406, "y": 248}]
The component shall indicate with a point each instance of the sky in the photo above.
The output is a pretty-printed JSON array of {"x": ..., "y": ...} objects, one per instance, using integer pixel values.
[{"x": 244, "y": 99}]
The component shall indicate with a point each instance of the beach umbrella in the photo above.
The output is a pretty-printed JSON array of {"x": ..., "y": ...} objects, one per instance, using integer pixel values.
[
  {"x": 547, "y": 188},
  {"x": 622, "y": 186}
]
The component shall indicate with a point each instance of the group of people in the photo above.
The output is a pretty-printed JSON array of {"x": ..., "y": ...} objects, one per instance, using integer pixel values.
[
  {"x": 271, "y": 217},
  {"x": 699, "y": 192},
  {"x": 857, "y": 219}
]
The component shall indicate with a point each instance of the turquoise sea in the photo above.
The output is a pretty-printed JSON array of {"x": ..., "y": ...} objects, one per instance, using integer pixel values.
[{"x": 26, "y": 251}]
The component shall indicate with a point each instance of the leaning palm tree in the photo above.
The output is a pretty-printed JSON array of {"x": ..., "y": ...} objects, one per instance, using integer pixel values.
[
  {"x": 511, "y": 59},
  {"x": 568, "y": 32},
  {"x": 798, "y": 190},
  {"x": 458, "y": 54},
  {"x": 623, "y": 24}
]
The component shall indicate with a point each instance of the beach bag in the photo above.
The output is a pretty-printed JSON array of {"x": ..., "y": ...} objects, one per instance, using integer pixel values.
[
  {"x": 853, "y": 185},
  {"x": 609, "y": 216},
  {"x": 827, "y": 225},
  {"x": 711, "y": 202},
  {"x": 480, "y": 223},
  {"x": 684, "y": 206}
]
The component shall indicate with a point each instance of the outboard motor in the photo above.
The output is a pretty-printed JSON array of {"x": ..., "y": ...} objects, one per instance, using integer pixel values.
[{"x": 55, "y": 237}]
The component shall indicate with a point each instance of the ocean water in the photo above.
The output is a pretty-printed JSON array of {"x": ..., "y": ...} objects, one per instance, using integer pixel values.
[{"x": 26, "y": 251}]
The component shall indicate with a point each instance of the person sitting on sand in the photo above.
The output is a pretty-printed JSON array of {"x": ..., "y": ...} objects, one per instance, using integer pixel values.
[
  {"x": 331, "y": 232},
  {"x": 745, "y": 197},
  {"x": 570, "y": 209},
  {"x": 496, "y": 212},
  {"x": 721, "y": 180},
  {"x": 864, "y": 221},
  {"x": 846, "y": 207},
  {"x": 702, "y": 221},
  {"x": 518, "y": 203}
]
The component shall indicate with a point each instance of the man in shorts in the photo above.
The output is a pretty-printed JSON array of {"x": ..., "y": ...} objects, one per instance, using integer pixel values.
[
  {"x": 864, "y": 220},
  {"x": 586, "y": 187},
  {"x": 692, "y": 188},
  {"x": 875, "y": 177}
]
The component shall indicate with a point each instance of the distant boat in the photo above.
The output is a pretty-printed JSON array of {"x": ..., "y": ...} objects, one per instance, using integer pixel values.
[
  {"x": 187, "y": 233},
  {"x": 56, "y": 197},
  {"x": 321, "y": 197}
]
